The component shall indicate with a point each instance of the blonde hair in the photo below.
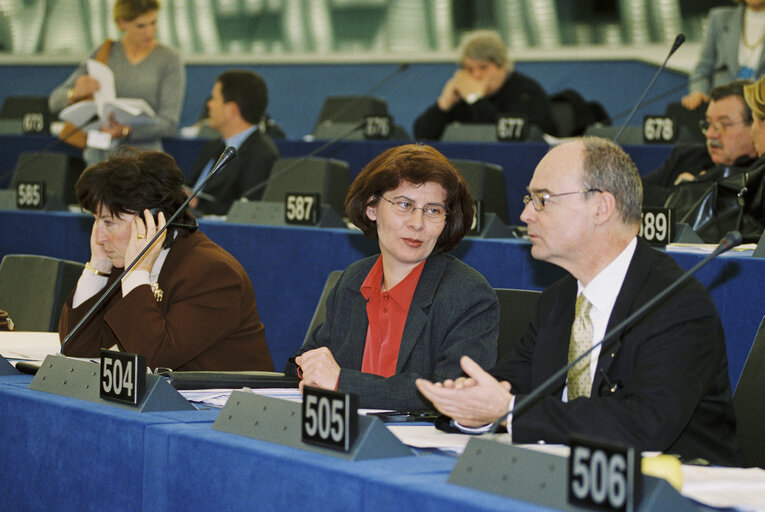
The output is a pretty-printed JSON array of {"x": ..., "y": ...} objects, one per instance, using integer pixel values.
[
  {"x": 128, "y": 10},
  {"x": 754, "y": 94}
]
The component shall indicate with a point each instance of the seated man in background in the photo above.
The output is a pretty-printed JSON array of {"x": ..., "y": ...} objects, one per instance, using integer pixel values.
[
  {"x": 187, "y": 304},
  {"x": 237, "y": 106},
  {"x": 660, "y": 385},
  {"x": 728, "y": 148},
  {"x": 485, "y": 88}
]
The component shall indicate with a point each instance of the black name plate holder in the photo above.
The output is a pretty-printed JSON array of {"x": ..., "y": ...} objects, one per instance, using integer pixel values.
[
  {"x": 279, "y": 421},
  {"x": 75, "y": 378},
  {"x": 491, "y": 464}
]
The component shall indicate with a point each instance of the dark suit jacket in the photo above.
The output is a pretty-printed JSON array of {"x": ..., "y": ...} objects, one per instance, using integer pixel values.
[
  {"x": 454, "y": 311},
  {"x": 671, "y": 366},
  {"x": 692, "y": 158},
  {"x": 207, "y": 319},
  {"x": 519, "y": 95},
  {"x": 252, "y": 166}
]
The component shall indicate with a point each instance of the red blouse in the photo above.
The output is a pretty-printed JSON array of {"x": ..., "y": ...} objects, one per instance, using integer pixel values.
[{"x": 386, "y": 312}]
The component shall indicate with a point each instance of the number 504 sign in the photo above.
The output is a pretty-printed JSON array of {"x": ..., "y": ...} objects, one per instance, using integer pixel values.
[{"x": 123, "y": 376}]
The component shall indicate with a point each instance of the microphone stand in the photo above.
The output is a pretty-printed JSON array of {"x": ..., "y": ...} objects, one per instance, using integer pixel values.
[
  {"x": 730, "y": 241},
  {"x": 228, "y": 154},
  {"x": 300, "y": 160},
  {"x": 678, "y": 41}
]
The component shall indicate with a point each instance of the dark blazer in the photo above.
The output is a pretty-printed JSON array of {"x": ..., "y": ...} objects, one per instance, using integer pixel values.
[
  {"x": 252, "y": 166},
  {"x": 519, "y": 95},
  {"x": 207, "y": 319},
  {"x": 454, "y": 312},
  {"x": 671, "y": 368}
]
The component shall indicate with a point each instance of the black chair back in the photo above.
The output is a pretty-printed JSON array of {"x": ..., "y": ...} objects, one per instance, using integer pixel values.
[
  {"x": 33, "y": 289},
  {"x": 749, "y": 404},
  {"x": 320, "y": 314}
]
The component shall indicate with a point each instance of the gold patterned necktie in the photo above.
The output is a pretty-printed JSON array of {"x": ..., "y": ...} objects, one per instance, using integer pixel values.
[{"x": 579, "y": 383}]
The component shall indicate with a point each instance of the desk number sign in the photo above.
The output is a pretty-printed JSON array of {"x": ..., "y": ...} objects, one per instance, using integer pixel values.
[
  {"x": 659, "y": 130},
  {"x": 330, "y": 419},
  {"x": 30, "y": 195},
  {"x": 656, "y": 226},
  {"x": 123, "y": 376},
  {"x": 511, "y": 128},
  {"x": 603, "y": 475},
  {"x": 477, "y": 225},
  {"x": 302, "y": 209},
  {"x": 377, "y": 127}
]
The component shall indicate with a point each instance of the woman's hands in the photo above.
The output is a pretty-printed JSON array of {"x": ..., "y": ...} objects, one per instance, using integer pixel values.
[{"x": 141, "y": 233}]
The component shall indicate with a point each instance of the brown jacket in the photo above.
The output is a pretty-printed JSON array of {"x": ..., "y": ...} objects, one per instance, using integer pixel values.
[{"x": 206, "y": 320}]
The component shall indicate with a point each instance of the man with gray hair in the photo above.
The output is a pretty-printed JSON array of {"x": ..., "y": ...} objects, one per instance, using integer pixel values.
[
  {"x": 662, "y": 384},
  {"x": 484, "y": 88}
]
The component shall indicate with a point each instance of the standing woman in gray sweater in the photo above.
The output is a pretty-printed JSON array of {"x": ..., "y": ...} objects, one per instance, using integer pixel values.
[{"x": 143, "y": 68}]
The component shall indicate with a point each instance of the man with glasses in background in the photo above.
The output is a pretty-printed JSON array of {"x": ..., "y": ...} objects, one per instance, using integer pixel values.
[
  {"x": 728, "y": 148},
  {"x": 661, "y": 385}
]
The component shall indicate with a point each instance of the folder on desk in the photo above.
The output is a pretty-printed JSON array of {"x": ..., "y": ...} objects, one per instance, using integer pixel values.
[{"x": 230, "y": 380}]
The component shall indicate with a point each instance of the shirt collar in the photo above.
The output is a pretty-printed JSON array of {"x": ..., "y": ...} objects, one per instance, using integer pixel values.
[
  {"x": 604, "y": 287},
  {"x": 239, "y": 138}
]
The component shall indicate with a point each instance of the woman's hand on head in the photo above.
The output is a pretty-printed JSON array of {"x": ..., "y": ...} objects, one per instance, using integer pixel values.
[{"x": 142, "y": 230}]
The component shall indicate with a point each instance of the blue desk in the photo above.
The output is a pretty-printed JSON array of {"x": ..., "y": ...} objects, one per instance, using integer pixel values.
[
  {"x": 517, "y": 159},
  {"x": 289, "y": 265},
  {"x": 67, "y": 454}
]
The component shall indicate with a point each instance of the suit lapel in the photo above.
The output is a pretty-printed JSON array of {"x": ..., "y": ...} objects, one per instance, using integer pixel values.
[
  {"x": 634, "y": 280},
  {"x": 417, "y": 318}
]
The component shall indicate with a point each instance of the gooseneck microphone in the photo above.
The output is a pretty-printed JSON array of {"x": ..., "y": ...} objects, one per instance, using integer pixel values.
[
  {"x": 670, "y": 92},
  {"x": 678, "y": 41},
  {"x": 228, "y": 154},
  {"x": 731, "y": 240}
]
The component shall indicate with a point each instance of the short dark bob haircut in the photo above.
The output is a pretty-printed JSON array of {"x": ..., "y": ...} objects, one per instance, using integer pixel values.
[
  {"x": 417, "y": 164},
  {"x": 131, "y": 182}
]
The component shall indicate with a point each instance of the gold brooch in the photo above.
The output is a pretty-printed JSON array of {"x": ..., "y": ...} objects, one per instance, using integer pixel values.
[{"x": 157, "y": 291}]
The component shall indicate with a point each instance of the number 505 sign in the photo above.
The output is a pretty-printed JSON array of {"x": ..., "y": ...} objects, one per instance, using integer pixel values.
[{"x": 330, "y": 419}]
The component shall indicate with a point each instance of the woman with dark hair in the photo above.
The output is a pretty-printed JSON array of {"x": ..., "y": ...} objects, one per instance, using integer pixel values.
[
  {"x": 413, "y": 310},
  {"x": 187, "y": 304}
]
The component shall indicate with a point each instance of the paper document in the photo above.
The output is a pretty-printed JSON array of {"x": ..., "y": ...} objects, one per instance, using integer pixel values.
[
  {"x": 28, "y": 346},
  {"x": 127, "y": 111}
]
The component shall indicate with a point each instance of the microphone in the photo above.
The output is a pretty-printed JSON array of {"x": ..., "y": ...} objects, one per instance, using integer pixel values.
[
  {"x": 669, "y": 92},
  {"x": 228, "y": 154},
  {"x": 731, "y": 240},
  {"x": 300, "y": 160},
  {"x": 678, "y": 41}
]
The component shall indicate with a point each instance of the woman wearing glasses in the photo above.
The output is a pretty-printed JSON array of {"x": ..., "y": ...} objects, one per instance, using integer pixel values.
[{"x": 413, "y": 310}]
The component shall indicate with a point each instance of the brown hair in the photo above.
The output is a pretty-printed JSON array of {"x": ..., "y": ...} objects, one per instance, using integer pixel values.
[
  {"x": 417, "y": 164},
  {"x": 128, "y": 10},
  {"x": 131, "y": 182}
]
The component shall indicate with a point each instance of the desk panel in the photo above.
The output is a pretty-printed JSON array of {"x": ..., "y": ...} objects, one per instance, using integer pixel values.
[
  {"x": 517, "y": 159},
  {"x": 289, "y": 265}
]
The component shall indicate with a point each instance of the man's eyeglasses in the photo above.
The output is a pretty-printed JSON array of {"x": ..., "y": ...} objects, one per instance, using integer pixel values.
[
  {"x": 720, "y": 126},
  {"x": 434, "y": 212},
  {"x": 539, "y": 201}
]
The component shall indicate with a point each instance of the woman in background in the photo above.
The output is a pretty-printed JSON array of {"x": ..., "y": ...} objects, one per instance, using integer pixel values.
[
  {"x": 143, "y": 68},
  {"x": 732, "y": 50}
]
